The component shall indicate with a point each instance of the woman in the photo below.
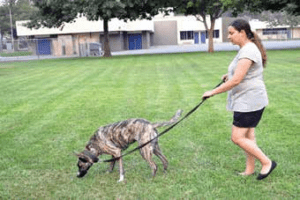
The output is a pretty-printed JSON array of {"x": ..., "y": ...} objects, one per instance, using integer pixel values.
[{"x": 247, "y": 96}]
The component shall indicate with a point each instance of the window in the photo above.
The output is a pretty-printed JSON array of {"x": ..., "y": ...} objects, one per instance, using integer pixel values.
[
  {"x": 274, "y": 31},
  {"x": 186, "y": 35},
  {"x": 216, "y": 34}
]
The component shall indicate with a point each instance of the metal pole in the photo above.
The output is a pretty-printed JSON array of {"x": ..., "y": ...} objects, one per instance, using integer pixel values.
[{"x": 11, "y": 29}]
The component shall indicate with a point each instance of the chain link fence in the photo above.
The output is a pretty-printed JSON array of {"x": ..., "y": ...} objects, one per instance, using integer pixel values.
[{"x": 52, "y": 47}]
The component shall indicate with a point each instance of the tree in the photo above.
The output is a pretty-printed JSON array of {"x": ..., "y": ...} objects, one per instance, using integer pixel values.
[
  {"x": 205, "y": 10},
  {"x": 7, "y": 13},
  {"x": 20, "y": 9},
  {"x": 24, "y": 9},
  {"x": 290, "y": 6},
  {"x": 4, "y": 20},
  {"x": 54, "y": 13}
]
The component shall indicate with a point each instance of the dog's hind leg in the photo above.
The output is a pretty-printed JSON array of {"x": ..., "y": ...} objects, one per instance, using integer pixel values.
[
  {"x": 146, "y": 153},
  {"x": 159, "y": 154}
]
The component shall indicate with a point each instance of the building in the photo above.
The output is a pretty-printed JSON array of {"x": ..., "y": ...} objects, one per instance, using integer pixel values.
[
  {"x": 181, "y": 30},
  {"x": 76, "y": 38},
  {"x": 265, "y": 32}
]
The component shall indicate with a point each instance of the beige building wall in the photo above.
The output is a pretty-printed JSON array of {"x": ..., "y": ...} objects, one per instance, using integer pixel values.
[
  {"x": 165, "y": 33},
  {"x": 63, "y": 45},
  {"x": 116, "y": 41},
  {"x": 259, "y": 32},
  {"x": 296, "y": 33},
  {"x": 226, "y": 21},
  {"x": 67, "y": 45},
  {"x": 270, "y": 37}
]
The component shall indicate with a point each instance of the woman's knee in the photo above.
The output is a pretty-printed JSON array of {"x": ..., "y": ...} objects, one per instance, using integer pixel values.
[
  {"x": 238, "y": 134},
  {"x": 235, "y": 139}
]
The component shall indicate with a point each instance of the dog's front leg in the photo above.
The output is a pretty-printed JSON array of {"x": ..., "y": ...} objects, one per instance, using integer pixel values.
[{"x": 122, "y": 173}]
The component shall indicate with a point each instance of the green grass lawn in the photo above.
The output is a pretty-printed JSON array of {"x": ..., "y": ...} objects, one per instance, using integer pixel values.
[
  {"x": 50, "y": 108},
  {"x": 17, "y": 53}
]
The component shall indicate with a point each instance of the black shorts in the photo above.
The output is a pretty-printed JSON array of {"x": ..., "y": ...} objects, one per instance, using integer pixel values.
[{"x": 247, "y": 119}]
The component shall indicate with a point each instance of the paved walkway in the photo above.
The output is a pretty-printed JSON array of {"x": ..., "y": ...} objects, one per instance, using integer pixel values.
[{"x": 293, "y": 44}]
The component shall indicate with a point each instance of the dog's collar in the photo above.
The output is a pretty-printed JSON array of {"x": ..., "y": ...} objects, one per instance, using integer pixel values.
[{"x": 91, "y": 156}]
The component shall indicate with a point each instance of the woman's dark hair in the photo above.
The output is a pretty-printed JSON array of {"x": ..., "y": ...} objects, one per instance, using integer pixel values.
[{"x": 240, "y": 25}]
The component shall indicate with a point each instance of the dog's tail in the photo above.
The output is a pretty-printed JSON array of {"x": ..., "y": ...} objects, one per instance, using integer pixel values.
[{"x": 174, "y": 119}]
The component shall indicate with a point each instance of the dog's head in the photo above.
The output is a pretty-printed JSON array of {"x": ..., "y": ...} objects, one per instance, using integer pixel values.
[{"x": 85, "y": 160}]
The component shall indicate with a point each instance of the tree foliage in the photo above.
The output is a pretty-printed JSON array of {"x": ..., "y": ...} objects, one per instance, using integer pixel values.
[
  {"x": 290, "y": 6},
  {"x": 20, "y": 9},
  {"x": 280, "y": 18}
]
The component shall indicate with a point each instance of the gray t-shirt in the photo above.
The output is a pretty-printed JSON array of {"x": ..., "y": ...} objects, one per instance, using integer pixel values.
[{"x": 250, "y": 94}]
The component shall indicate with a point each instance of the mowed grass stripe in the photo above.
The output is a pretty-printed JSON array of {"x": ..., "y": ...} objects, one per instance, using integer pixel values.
[
  {"x": 48, "y": 94},
  {"x": 37, "y": 87}
]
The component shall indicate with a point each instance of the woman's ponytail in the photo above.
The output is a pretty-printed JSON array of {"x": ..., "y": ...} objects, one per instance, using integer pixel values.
[{"x": 257, "y": 41}]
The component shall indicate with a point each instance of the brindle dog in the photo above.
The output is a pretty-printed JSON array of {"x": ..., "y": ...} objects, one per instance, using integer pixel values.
[{"x": 114, "y": 138}]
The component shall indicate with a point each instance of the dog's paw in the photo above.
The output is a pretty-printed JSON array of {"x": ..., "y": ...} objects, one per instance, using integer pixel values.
[
  {"x": 121, "y": 179},
  {"x": 123, "y": 182}
]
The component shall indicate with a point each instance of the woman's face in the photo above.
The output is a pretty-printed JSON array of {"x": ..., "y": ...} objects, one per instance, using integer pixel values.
[{"x": 234, "y": 35}]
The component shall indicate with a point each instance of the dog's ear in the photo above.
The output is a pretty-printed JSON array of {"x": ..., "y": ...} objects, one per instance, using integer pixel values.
[
  {"x": 77, "y": 154},
  {"x": 82, "y": 159},
  {"x": 91, "y": 156}
]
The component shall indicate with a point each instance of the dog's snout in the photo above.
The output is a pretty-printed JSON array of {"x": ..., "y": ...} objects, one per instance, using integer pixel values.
[{"x": 81, "y": 174}]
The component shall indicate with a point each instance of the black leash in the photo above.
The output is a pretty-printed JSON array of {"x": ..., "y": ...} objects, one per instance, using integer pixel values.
[{"x": 165, "y": 131}]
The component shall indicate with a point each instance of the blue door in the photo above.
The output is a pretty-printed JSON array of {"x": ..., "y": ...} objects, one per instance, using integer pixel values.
[
  {"x": 203, "y": 37},
  {"x": 135, "y": 41},
  {"x": 44, "y": 47},
  {"x": 196, "y": 38}
]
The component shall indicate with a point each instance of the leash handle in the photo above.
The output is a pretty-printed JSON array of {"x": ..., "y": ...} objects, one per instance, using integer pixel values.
[
  {"x": 165, "y": 131},
  {"x": 223, "y": 81}
]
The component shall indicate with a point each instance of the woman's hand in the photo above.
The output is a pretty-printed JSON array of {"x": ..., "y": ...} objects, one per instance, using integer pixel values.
[
  {"x": 211, "y": 93},
  {"x": 225, "y": 77},
  {"x": 207, "y": 94}
]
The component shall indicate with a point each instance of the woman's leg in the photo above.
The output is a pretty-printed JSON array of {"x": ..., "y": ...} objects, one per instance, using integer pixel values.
[
  {"x": 250, "y": 159},
  {"x": 239, "y": 137}
]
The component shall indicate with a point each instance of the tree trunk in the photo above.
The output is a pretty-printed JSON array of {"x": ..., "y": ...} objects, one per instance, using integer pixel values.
[
  {"x": 0, "y": 41},
  {"x": 106, "y": 46},
  {"x": 211, "y": 36},
  {"x": 210, "y": 32}
]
